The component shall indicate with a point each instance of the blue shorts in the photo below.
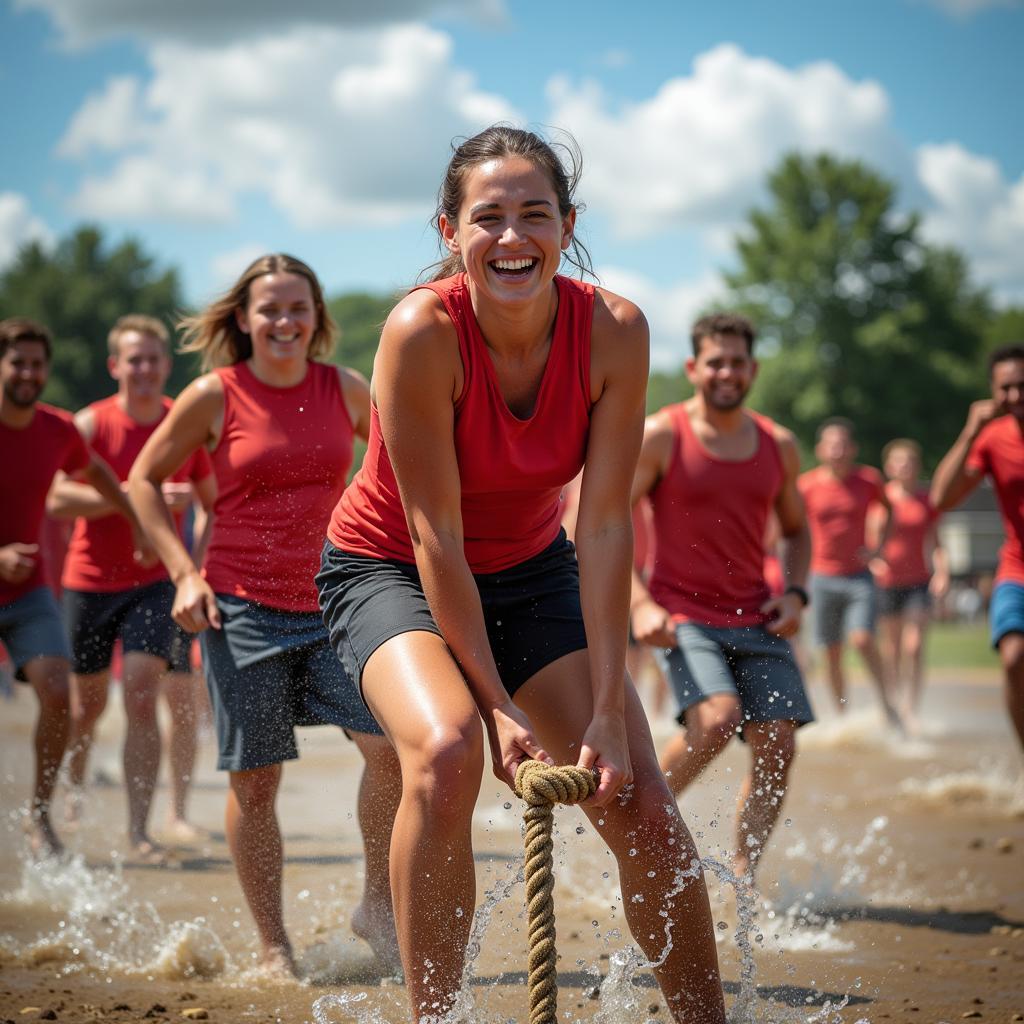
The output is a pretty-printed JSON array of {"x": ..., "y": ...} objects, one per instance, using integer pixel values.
[
  {"x": 1006, "y": 611},
  {"x": 31, "y": 627},
  {"x": 269, "y": 671},
  {"x": 842, "y": 605},
  {"x": 748, "y": 662}
]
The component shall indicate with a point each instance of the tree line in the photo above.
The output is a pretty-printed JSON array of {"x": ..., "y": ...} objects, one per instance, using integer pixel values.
[{"x": 857, "y": 315}]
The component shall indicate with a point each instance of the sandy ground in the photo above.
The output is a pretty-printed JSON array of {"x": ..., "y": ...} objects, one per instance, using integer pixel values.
[{"x": 895, "y": 885}]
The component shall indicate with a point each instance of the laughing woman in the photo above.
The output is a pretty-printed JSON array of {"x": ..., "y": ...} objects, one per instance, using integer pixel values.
[{"x": 452, "y": 594}]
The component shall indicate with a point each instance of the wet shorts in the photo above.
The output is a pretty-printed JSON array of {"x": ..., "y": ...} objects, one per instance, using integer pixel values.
[
  {"x": 531, "y": 610},
  {"x": 139, "y": 617},
  {"x": 746, "y": 661},
  {"x": 842, "y": 605},
  {"x": 1006, "y": 611},
  {"x": 269, "y": 671},
  {"x": 31, "y": 627},
  {"x": 180, "y": 658},
  {"x": 901, "y": 600}
]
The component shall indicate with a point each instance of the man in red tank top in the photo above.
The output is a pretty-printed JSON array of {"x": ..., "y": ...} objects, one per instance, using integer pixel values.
[
  {"x": 36, "y": 442},
  {"x": 992, "y": 444},
  {"x": 714, "y": 473},
  {"x": 839, "y": 494},
  {"x": 109, "y": 597}
]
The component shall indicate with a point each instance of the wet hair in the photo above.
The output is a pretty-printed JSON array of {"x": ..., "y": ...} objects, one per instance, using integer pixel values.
[
  {"x": 140, "y": 323},
  {"x": 563, "y": 171},
  {"x": 20, "y": 328},
  {"x": 723, "y": 323},
  {"x": 901, "y": 444},
  {"x": 836, "y": 421},
  {"x": 1004, "y": 354},
  {"x": 215, "y": 332}
]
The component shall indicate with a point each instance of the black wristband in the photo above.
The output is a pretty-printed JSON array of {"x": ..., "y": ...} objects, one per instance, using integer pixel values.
[{"x": 805, "y": 599}]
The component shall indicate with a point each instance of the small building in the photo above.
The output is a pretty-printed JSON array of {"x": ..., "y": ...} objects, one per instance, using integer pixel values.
[{"x": 972, "y": 533}]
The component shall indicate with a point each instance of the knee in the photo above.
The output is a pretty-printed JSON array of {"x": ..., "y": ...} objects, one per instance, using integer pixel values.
[
  {"x": 717, "y": 725},
  {"x": 774, "y": 749},
  {"x": 256, "y": 790},
  {"x": 861, "y": 640},
  {"x": 140, "y": 703},
  {"x": 444, "y": 774},
  {"x": 52, "y": 686},
  {"x": 1011, "y": 653}
]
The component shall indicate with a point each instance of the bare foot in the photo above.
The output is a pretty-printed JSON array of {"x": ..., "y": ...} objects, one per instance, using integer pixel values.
[
  {"x": 74, "y": 805},
  {"x": 376, "y": 927},
  {"x": 182, "y": 831},
  {"x": 145, "y": 851},
  {"x": 278, "y": 962},
  {"x": 42, "y": 840}
]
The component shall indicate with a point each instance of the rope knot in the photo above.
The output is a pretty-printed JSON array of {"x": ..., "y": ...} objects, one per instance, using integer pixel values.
[{"x": 539, "y": 784}]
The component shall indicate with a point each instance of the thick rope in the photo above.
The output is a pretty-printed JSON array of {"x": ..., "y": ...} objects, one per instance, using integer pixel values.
[{"x": 542, "y": 786}]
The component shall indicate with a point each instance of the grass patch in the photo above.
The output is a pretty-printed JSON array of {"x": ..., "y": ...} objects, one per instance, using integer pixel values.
[{"x": 960, "y": 645}]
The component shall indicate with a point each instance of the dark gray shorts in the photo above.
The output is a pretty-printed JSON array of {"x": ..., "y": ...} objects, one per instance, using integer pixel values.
[
  {"x": 31, "y": 627},
  {"x": 842, "y": 605},
  {"x": 531, "y": 610},
  {"x": 269, "y": 671},
  {"x": 140, "y": 617},
  {"x": 900, "y": 600},
  {"x": 746, "y": 661}
]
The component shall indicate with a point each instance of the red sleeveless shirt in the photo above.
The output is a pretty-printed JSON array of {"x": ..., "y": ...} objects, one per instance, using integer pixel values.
[
  {"x": 280, "y": 463},
  {"x": 100, "y": 557},
  {"x": 512, "y": 470},
  {"x": 709, "y": 528}
]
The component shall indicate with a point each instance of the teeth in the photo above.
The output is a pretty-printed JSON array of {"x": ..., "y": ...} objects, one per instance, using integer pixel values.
[{"x": 514, "y": 264}]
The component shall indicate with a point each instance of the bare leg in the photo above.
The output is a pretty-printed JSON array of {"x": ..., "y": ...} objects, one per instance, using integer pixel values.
[
  {"x": 436, "y": 732},
  {"x": 50, "y": 680},
  {"x": 88, "y": 702},
  {"x": 141, "y": 682},
  {"x": 648, "y": 839},
  {"x": 380, "y": 792},
  {"x": 836, "y": 675},
  {"x": 914, "y": 631},
  {"x": 180, "y": 690},
  {"x": 864, "y": 643},
  {"x": 772, "y": 749},
  {"x": 890, "y": 649},
  {"x": 709, "y": 727},
  {"x": 254, "y": 836},
  {"x": 1011, "y": 652}
]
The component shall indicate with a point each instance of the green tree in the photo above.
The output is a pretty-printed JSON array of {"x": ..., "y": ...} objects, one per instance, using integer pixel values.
[
  {"x": 78, "y": 291},
  {"x": 858, "y": 316},
  {"x": 361, "y": 317}
]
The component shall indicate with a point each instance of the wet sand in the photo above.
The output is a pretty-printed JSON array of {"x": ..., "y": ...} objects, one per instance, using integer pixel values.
[{"x": 896, "y": 884}]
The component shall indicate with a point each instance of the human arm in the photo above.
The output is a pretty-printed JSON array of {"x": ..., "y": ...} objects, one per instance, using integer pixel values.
[
  {"x": 205, "y": 496},
  {"x": 938, "y": 585},
  {"x": 417, "y": 378},
  {"x": 193, "y": 420},
  {"x": 17, "y": 561},
  {"x": 651, "y": 623},
  {"x": 954, "y": 477},
  {"x": 604, "y": 529},
  {"x": 787, "y": 609}
]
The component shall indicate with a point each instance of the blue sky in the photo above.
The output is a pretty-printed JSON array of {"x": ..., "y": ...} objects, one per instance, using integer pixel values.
[{"x": 215, "y": 131}]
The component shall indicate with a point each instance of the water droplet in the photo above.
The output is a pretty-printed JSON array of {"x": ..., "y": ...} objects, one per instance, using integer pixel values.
[
  {"x": 507, "y": 805},
  {"x": 789, "y": 823},
  {"x": 632, "y": 851},
  {"x": 580, "y": 830},
  {"x": 722, "y": 926}
]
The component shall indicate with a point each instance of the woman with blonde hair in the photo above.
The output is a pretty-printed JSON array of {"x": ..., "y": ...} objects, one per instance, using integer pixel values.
[{"x": 279, "y": 426}]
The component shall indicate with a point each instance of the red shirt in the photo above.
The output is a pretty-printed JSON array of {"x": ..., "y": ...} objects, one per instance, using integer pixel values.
[
  {"x": 30, "y": 458},
  {"x": 709, "y": 525},
  {"x": 280, "y": 465},
  {"x": 100, "y": 557},
  {"x": 999, "y": 451},
  {"x": 913, "y": 517},
  {"x": 837, "y": 512},
  {"x": 512, "y": 470}
]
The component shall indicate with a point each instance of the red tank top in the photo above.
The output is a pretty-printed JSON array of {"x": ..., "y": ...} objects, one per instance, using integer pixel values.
[
  {"x": 512, "y": 470},
  {"x": 912, "y": 517},
  {"x": 100, "y": 557},
  {"x": 709, "y": 527},
  {"x": 280, "y": 463}
]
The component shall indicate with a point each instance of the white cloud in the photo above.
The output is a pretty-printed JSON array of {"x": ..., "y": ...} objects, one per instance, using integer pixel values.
[
  {"x": 227, "y": 267},
  {"x": 978, "y": 211},
  {"x": 335, "y": 126},
  {"x": 696, "y": 152},
  {"x": 202, "y": 23},
  {"x": 670, "y": 311},
  {"x": 968, "y": 8},
  {"x": 18, "y": 226}
]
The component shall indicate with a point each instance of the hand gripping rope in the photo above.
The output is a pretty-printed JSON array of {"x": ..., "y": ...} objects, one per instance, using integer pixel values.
[{"x": 542, "y": 786}]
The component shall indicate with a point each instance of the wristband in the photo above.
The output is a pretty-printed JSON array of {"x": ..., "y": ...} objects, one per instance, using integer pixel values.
[{"x": 800, "y": 593}]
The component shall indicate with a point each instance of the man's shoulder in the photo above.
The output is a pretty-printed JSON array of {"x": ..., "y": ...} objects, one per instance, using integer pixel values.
[{"x": 51, "y": 418}]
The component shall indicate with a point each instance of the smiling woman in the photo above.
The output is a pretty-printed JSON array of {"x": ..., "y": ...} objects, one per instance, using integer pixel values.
[{"x": 451, "y": 592}]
